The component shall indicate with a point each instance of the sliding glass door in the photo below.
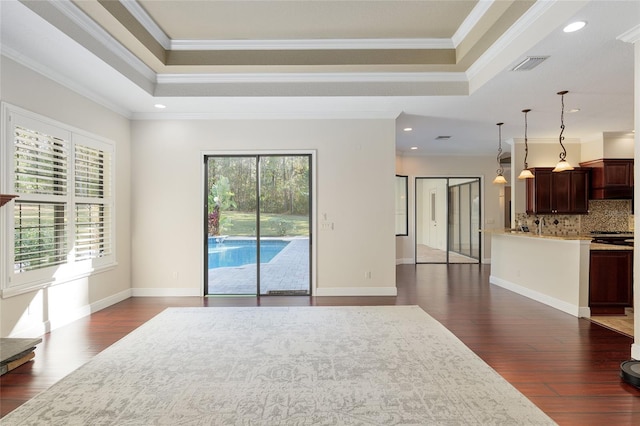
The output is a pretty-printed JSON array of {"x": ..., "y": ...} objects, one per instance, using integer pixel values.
[
  {"x": 447, "y": 220},
  {"x": 258, "y": 216}
]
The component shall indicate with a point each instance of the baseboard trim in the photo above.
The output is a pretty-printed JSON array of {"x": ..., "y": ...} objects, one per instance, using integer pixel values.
[
  {"x": 635, "y": 351},
  {"x": 60, "y": 321},
  {"x": 166, "y": 292},
  {"x": 584, "y": 312},
  {"x": 356, "y": 291},
  {"x": 537, "y": 296}
]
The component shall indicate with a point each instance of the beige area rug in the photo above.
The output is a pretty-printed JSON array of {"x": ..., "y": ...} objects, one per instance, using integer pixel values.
[
  {"x": 426, "y": 254},
  {"x": 620, "y": 323},
  {"x": 386, "y": 365}
]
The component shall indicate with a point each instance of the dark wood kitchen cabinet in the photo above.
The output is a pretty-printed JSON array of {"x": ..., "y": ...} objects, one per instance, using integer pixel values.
[
  {"x": 558, "y": 193},
  {"x": 610, "y": 281},
  {"x": 611, "y": 178}
]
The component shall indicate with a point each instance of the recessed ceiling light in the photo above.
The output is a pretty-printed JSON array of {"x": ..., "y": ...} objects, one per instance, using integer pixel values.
[
  {"x": 160, "y": 106},
  {"x": 574, "y": 26},
  {"x": 414, "y": 148},
  {"x": 407, "y": 129},
  {"x": 571, "y": 111}
]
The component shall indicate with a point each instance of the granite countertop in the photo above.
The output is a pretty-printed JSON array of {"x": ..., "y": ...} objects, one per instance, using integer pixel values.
[
  {"x": 593, "y": 246},
  {"x": 612, "y": 247},
  {"x": 535, "y": 235}
]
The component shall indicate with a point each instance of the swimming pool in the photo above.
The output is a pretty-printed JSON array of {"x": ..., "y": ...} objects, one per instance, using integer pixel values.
[{"x": 229, "y": 253}]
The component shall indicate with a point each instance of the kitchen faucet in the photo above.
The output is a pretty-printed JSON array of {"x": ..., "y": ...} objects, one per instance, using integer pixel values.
[{"x": 540, "y": 223}]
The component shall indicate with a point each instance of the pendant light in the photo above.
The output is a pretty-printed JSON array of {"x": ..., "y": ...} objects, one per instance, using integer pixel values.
[
  {"x": 525, "y": 173},
  {"x": 499, "y": 178},
  {"x": 563, "y": 164}
]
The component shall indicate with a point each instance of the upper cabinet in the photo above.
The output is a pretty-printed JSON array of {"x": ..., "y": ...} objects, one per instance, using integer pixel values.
[
  {"x": 611, "y": 178},
  {"x": 558, "y": 193}
]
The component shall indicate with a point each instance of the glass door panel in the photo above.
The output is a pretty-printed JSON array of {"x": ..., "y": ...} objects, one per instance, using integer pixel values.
[
  {"x": 284, "y": 225},
  {"x": 231, "y": 225},
  {"x": 258, "y": 225},
  {"x": 464, "y": 220}
]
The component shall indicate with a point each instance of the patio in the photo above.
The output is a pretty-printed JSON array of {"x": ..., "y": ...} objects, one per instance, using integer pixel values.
[{"x": 286, "y": 273}]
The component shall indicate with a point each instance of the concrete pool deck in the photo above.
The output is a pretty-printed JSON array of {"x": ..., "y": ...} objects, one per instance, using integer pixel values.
[{"x": 288, "y": 271}]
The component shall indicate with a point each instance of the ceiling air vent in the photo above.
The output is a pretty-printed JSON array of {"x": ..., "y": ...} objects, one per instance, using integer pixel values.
[
  {"x": 443, "y": 138},
  {"x": 529, "y": 63}
]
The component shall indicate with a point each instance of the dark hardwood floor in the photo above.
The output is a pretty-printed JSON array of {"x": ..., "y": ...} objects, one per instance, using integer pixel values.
[{"x": 568, "y": 367}]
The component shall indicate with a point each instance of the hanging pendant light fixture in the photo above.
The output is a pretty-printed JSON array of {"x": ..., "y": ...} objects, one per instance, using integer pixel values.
[
  {"x": 563, "y": 164},
  {"x": 526, "y": 173},
  {"x": 499, "y": 178}
]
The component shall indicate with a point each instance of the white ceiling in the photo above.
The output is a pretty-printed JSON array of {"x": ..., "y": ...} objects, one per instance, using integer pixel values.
[{"x": 82, "y": 45}]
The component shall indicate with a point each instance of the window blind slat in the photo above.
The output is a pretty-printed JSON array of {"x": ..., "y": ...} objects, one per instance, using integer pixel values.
[
  {"x": 40, "y": 163},
  {"x": 40, "y": 235},
  {"x": 92, "y": 235}
]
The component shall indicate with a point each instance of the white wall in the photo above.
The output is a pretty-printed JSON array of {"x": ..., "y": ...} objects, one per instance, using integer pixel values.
[
  {"x": 492, "y": 208},
  {"x": 617, "y": 145},
  {"x": 551, "y": 271},
  {"x": 36, "y": 312},
  {"x": 635, "y": 348},
  {"x": 355, "y": 188}
]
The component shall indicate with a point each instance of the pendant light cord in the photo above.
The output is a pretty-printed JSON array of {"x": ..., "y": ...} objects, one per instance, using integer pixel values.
[
  {"x": 563, "y": 154},
  {"x": 526, "y": 144},
  {"x": 500, "y": 169}
]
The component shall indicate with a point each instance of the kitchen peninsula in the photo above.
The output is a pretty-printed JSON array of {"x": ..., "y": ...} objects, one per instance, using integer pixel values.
[{"x": 553, "y": 270}]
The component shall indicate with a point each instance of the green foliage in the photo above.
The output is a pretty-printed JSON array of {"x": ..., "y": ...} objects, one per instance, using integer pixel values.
[
  {"x": 244, "y": 224},
  {"x": 284, "y": 188},
  {"x": 282, "y": 226},
  {"x": 284, "y": 182},
  {"x": 221, "y": 195}
]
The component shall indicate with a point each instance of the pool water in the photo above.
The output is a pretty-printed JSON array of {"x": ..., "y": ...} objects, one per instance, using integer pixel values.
[{"x": 242, "y": 252}]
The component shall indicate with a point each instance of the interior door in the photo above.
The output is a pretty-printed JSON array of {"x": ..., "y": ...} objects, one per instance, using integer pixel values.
[{"x": 447, "y": 220}]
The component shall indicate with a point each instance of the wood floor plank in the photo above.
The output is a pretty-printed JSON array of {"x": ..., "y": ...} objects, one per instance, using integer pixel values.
[{"x": 569, "y": 367}]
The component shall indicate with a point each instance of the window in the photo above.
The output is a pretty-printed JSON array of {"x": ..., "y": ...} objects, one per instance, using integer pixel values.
[
  {"x": 402, "y": 219},
  {"x": 61, "y": 226}
]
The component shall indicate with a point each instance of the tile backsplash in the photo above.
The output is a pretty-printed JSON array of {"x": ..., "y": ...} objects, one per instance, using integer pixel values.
[{"x": 604, "y": 215}]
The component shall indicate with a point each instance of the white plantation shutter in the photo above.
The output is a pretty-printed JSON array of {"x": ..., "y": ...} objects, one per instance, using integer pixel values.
[
  {"x": 40, "y": 163},
  {"x": 92, "y": 212},
  {"x": 40, "y": 173},
  {"x": 92, "y": 179},
  {"x": 40, "y": 235},
  {"x": 62, "y": 223}
]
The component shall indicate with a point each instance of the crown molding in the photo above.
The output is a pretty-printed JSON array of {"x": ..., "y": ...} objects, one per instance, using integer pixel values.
[
  {"x": 314, "y": 44},
  {"x": 262, "y": 115},
  {"x": 147, "y": 22},
  {"x": 310, "y": 78},
  {"x": 471, "y": 21},
  {"x": 88, "y": 25},
  {"x": 62, "y": 80},
  {"x": 631, "y": 36}
]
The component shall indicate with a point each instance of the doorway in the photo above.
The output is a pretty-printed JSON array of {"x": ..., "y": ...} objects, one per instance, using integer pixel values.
[
  {"x": 447, "y": 226},
  {"x": 257, "y": 224}
]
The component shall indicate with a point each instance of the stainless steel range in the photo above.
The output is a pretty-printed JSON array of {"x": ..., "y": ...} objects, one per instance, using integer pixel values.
[{"x": 621, "y": 238}]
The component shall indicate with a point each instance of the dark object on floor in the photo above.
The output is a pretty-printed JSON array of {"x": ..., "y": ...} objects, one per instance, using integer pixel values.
[
  {"x": 15, "y": 352},
  {"x": 630, "y": 372}
]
